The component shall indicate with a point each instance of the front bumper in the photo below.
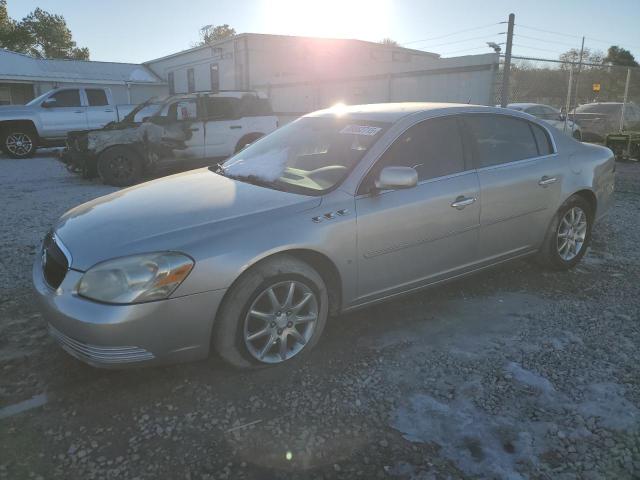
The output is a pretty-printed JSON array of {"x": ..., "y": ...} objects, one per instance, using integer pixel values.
[{"x": 114, "y": 336}]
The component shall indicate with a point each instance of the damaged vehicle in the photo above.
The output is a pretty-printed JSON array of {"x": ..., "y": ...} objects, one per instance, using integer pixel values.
[
  {"x": 337, "y": 210},
  {"x": 187, "y": 131}
]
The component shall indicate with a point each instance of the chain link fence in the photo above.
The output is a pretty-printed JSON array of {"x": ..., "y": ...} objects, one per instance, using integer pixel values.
[{"x": 599, "y": 99}]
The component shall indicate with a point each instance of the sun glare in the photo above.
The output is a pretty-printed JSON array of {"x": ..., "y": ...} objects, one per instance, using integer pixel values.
[{"x": 365, "y": 20}]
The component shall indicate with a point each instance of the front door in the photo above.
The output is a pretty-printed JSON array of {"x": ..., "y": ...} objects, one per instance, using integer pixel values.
[
  {"x": 182, "y": 132},
  {"x": 520, "y": 178},
  {"x": 416, "y": 236},
  {"x": 64, "y": 113}
]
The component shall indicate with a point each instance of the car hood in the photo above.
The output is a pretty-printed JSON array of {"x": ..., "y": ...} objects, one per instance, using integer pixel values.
[
  {"x": 14, "y": 110},
  {"x": 171, "y": 213}
]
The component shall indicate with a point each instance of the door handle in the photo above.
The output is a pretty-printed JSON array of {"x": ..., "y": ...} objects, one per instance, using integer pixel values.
[
  {"x": 233, "y": 127},
  {"x": 462, "y": 202},
  {"x": 544, "y": 181},
  {"x": 78, "y": 111},
  {"x": 195, "y": 129}
]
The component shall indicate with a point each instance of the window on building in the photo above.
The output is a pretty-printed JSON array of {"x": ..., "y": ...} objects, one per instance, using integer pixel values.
[
  {"x": 433, "y": 148},
  {"x": 96, "y": 97},
  {"x": 500, "y": 139},
  {"x": 215, "y": 77},
  {"x": 172, "y": 83},
  {"x": 67, "y": 98},
  {"x": 191, "y": 80}
]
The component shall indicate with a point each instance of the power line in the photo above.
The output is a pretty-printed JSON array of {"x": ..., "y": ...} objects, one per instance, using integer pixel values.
[
  {"x": 547, "y": 31},
  {"x": 465, "y": 50},
  {"x": 462, "y": 41},
  {"x": 452, "y": 34},
  {"x": 610, "y": 42},
  {"x": 537, "y": 48},
  {"x": 545, "y": 41}
]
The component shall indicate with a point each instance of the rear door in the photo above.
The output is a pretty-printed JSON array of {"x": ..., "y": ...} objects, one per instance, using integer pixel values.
[
  {"x": 99, "y": 111},
  {"x": 66, "y": 113},
  {"x": 224, "y": 127},
  {"x": 520, "y": 178},
  {"x": 412, "y": 237}
]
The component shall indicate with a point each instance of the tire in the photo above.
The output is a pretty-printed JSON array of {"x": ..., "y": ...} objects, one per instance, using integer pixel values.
[
  {"x": 120, "y": 166},
  {"x": 247, "y": 140},
  {"x": 234, "y": 323},
  {"x": 554, "y": 254},
  {"x": 577, "y": 135},
  {"x": 19, "y": 142}
]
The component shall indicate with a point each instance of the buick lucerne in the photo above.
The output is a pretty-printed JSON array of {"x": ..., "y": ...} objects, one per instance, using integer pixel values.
[{"x": 339, "y": 209}]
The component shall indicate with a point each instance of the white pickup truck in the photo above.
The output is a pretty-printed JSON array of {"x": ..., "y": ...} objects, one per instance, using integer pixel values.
[{"x": 46, "y": 120}]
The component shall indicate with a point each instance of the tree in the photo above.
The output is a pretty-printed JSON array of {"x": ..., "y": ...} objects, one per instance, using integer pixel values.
[
  {"x": 620, "y": 56},
  {"x": 213, "y": 33},
  {"x": 588, "y": 56},
  {"x": 39, "y": 34},
  {"x": 389, "y": 42}
]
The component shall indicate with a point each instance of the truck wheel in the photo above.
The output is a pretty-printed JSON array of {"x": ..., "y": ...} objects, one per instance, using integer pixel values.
[
  {"x": 120, "y": 167},
  {"x": 276, "y": 310},
  {"x": 568, "y": 236},
  {"x": 19, "y": 142}
]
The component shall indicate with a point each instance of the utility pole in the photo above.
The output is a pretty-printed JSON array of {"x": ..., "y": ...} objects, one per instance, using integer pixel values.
[
  {"x": 507, "y": 62},
  {"x": 575, "y": 92},
  {"x": 625, "y": 98}
]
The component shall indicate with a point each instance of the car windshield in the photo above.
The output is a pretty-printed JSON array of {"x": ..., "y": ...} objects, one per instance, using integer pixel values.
[
  {"x": 599, "y": 108},
  {"x": 308, "y": 156}
]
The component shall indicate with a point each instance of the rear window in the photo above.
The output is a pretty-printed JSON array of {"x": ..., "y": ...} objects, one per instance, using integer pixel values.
[
  {"x": 222, "y": 108},
  {"x": 96, "y": 97},
  {"x": 542, "y": 140}
]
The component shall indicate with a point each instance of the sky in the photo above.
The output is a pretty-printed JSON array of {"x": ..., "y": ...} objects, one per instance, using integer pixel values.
[{"x": 140, "y": 30}]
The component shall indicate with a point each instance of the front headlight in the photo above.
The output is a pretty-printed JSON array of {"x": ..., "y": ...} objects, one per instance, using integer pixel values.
[{"x": 135, "y": 279}]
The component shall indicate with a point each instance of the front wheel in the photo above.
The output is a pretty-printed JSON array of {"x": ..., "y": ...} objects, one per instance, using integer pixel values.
[
  {"x": 19, "y": 143},
  {"x": 276, "y": 311},
  {"x": 120, "y": 167},
  {"x": 569, "y": 235}
]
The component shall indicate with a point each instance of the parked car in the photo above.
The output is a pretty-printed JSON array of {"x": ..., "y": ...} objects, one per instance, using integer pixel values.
[
  {"x": 46, "y": 120},
  {"x": 601, "y": 118},
  {"x": 552, "y": 116},
  {"x": 337, "y": 210},
  {"x": 186, "y": 131}
]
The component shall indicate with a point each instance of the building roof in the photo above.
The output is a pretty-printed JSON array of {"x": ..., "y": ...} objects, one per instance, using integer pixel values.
[
  {"x": 220, "y": 42},
  {"x": 16, "y": 66}
]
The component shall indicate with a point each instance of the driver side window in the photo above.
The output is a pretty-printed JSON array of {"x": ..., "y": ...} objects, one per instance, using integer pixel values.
[
  {"x": 66, "y": 98},
  {"x": 433, "y": 147}
]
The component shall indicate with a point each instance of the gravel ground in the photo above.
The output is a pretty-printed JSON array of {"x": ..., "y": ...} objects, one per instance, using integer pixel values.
[{"x": 514, "y": 373}]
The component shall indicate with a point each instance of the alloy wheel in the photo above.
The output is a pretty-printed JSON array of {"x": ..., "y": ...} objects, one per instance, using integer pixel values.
[
  {"x": 19, "y": 144},
  {"x": 572, "y": 233},
  {"x": 280, "y": 321},
  {"x": 121, "y": 167}
]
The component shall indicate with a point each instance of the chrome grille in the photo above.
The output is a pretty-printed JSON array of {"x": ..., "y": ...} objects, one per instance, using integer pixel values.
[{"x": 97, "y": 354}]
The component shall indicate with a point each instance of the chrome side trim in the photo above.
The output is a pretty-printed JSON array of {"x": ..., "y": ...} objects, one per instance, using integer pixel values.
[{"x": 98, "y": 354}]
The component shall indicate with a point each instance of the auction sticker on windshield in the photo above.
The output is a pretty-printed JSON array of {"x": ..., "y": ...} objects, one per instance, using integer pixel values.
[{"x": 361, "y": 130}]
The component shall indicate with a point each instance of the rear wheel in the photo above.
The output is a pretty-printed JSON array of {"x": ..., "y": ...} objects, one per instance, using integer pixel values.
[
  {"x": 247, "y": 140},
  {"x": 568, "y": 236},
  {"x": 120, "y": 167},
  {"x": 276, "y": 311},
  {"x": 19, "y": 142}
]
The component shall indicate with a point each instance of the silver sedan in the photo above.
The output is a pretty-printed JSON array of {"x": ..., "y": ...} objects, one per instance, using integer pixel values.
[{"x": 340, "y": 209}]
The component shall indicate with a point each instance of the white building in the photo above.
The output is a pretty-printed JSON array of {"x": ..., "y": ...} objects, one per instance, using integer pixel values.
[
  {"x": 23, "y": 77},
  {"x": 302, "y": 74}
]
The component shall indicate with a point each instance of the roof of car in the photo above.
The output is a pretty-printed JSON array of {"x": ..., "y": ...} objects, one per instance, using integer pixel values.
[
  {"x": 391, "y": 112},
  {"x": 523, "y": 105}
]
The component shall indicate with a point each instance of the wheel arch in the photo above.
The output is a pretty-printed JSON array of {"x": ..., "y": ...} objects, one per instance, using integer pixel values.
[
  {"x": 325, "y": 267},
  {"x": 28, "y": 124},
  {"x": 253, "y": 136},
  {"x": 590, "y": 197}
]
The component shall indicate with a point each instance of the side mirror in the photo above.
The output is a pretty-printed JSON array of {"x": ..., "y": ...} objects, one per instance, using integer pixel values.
[
  {"x": 397, "y": 178},
  {"x": 49, "y": 103}
]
